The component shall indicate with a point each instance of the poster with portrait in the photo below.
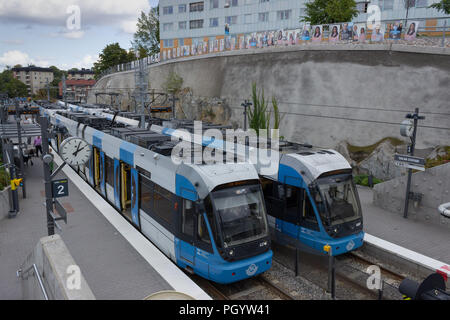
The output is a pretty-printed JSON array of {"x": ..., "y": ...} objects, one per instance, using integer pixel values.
[
  {"x": 291, "y": 37},
  {"x": 279, "y": 38},
  {"x": 346, "y": 31},
  {"x": 377, "y": 33},
  {"x": 221, "y": 44},
  {"x": 211, "y": 46},
  {"x": 169, "y": 54},
  {"x": 233, "y": 43},
  {"x": 395, "y": 30},
  {"x": 317, "y": 33},
  {"x": 361, "y": 32},
  {"x": 253, "y": 40},
  {"x": 174, "y": 53},
  {"x": 270, "y": 38},
  {"x": 241, "y": 42},
  {"x": 306, "y": 36},
  {"x": 260, "y": 40},
  {"x": 164, "y": 55},
  {"x": 334, "y": 33},
  {"x": 216, "y": 45},
  {"x": 298, "y": 36},
  {"x": 411, "y": 31},
  {"x": 227, "y": 41}
]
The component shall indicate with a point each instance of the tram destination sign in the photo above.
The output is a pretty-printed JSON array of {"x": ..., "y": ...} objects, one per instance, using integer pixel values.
[{"x": 409, "y": 162}]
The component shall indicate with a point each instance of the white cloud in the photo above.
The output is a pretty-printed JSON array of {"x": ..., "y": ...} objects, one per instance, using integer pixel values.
[
  {"x": 13, "y": 57},
  {"x": 54, "y": 12},
  {"x": 86, "y": 62}
]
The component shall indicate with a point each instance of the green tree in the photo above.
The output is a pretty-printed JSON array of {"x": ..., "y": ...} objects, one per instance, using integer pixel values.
[
  {"x": 11, "y": 86},
  {"x": 57, "y": 77},
  {"x": 111, "y": 56},
  {"x": 146, "y": 38},
  {"x": 443, "y": 5},
  {"x": 329, "y": 11}
]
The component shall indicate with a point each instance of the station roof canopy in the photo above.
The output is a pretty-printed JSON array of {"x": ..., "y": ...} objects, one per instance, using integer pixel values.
[{"x": 9, "y": 131}]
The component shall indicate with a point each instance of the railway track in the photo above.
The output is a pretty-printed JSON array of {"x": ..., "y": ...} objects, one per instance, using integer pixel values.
[
  {"x": 257, "y": 288},
  {"x": 352, "y": 275}
]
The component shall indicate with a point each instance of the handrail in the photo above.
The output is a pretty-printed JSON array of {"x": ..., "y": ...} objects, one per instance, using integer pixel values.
[
  {"x": 21, "y": 273},
  {"x": 444, "y": 209}
]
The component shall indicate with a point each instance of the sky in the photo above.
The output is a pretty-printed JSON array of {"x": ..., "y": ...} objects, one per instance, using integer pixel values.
[{"x": 65, "y": 33}]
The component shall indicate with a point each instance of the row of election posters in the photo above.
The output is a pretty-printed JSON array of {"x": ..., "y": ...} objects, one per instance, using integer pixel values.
[{"x": 334, "y": 33}]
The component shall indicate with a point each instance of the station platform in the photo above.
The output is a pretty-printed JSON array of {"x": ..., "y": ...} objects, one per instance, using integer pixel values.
[
  {"x": 431, "y": 241},
  {"x": 115, "y": 259}
]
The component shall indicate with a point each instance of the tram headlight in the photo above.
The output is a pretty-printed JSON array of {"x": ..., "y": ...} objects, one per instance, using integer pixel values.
[
  {"x": 231, "y": 252},
  {"x": 263, "y": 244}
]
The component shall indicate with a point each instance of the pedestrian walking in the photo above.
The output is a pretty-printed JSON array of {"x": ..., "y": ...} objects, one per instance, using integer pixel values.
[{"x": 38, "y": 145}]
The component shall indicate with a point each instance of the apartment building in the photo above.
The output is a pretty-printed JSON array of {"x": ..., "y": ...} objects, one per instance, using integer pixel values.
[
  {"x": 35, "y": 78},
  {"x": 83, "y": 74},
  {"x": 184, "y": 22}
]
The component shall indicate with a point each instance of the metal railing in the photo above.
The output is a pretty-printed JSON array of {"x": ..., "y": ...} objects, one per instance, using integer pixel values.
[
  {"x": 424, "y": 32},
  {"x": 21, "y": 274}
]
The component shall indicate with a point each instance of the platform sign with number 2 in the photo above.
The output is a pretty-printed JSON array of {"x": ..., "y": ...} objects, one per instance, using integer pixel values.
[{"x": 60, "y": 188}]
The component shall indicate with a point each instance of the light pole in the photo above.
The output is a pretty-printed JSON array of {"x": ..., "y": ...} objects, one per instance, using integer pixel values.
[{"x": 415, "y": 117}]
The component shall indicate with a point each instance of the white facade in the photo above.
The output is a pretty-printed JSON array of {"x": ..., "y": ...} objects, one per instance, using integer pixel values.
[{"x": 184, "y": 19}]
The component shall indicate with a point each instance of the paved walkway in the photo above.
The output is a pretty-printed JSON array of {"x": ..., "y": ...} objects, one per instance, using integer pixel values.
[
  {"x": 429, "y": 240},
  {"x": 110, "y": 265}
]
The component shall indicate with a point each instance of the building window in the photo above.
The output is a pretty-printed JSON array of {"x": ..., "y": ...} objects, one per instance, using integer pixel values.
[
  {"x": 248, "y": 18},
  {"x": 167, "y": 26},
  {"x": 196, "y": 7},
  {"x": 263, "y": 17},
  {"x": 234, "y": 3},
  {"x": 182, "y": 8},
  {"x": 168, "y": 43},
  {"x": 362, "y": 7},
  {"x": 196, "y": 24},
  {"x": 231, "y": 20},
  {"x": 213, "y": 22},
  {"x": 168, "y": 10},
  {"x": 284, "y": 14},
  {"x": 182, "y": 25},
  {"x": 387, "y": 4},
  {"x": 180, "y": 42},
  {"x": 262, "y": 1},
  {"x": 213, "y": 4},
  {"x": 421, "y": 3}
]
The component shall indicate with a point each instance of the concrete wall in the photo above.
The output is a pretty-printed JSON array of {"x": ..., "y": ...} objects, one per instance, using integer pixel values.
[
  {"x": 53, "y": 260},
  {"x": 4, "y": 203},
  {"x": 433, "y": 183},
  {"x": 319, "y": 88}
]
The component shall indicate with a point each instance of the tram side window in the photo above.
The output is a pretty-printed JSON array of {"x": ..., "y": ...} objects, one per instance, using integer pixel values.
[
  {"x": 163, "y": 204},
  {"x": 293, "y": 200},
  {"x": 187, "y": 225},
  {"x": 309, "y": 219},
  {"x": 202, "y": 230},
  {"x": 145, "y": 194},
  {"x": 109, "y": 166},
  {"x": 273, "y": 195}
]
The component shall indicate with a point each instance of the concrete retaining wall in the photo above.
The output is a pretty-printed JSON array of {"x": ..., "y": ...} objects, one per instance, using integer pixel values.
[
  {"x": 4, "y": 203},
  {"x": 55, "y": 265},
  {"x": 433, "y": 183},
  {"x": 329, "y": 93}
]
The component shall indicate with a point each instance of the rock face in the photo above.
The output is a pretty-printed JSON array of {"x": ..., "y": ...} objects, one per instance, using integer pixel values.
[
  {"x": 380, "y": 163},
  {"x": 434, "y": 186},
  {"x": 341, "y": 147}
]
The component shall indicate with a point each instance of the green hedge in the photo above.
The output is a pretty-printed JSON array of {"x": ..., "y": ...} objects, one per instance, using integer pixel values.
[
  {"x": 363, "y": 179},
  {"x": 4, "y": 179}
]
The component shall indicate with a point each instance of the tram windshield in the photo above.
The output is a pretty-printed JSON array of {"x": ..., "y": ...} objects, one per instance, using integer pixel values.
[
  {"x": 241, "y": 214},
  {"x": 337, "y": 199}
]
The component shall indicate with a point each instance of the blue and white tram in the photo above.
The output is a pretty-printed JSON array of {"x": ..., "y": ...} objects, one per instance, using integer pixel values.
[
  {"x": 311, "y": 199},
  {"x": 209, "y": 219}
]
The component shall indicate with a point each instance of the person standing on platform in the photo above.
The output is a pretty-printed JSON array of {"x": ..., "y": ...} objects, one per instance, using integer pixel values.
[{"x": 38, "y": 145}]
